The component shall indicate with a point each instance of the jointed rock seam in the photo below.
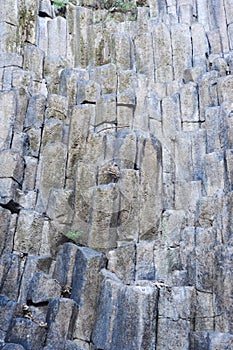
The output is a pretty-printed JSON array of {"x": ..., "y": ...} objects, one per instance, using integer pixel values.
[{"x": 116, "y": 126}]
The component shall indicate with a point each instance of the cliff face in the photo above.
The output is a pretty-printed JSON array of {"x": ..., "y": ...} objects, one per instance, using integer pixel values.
[{"x": 116, "y": 175}]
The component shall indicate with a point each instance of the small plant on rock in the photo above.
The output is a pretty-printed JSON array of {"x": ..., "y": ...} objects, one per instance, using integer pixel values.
[
  {"x": 59, "y": 4},
  {"x": 74, "y": 236}
]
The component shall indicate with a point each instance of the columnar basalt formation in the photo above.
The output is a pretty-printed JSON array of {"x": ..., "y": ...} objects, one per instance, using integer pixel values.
[{"x": 116, "y": 175}]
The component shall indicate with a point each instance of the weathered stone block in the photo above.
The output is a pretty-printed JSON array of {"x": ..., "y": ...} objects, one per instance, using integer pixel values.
[
  {"x": 106, "y": 110},
  {"x": 22, "y": 81},
  {"x": 7, "y": 116},
  {"x": 43, "y": 289},
  {"x": 222, "y": 288},
  {"x": 173, "y": 221},
  {"x": 126, "y": 98},
  {"x": 182, "y": 157},
  {"x": 170, "y": 106},
  {"x": 45, "y": 8},
  {"x": 145, "y": 268},
  {"x": 33, "y": 265},
  {"x": 229, "y": 160},
  {"x": 215, "y": 170},
  {"x": 7, "y": 309},
  {"x": 187, "y": 195},
  {"x": 11, "y": 270},
  {"x": 26, "y": 333},
  {"x": 181, "y": 49},
  {"x": 52, "y": 70},
  {"x": 79, "y": 129},
  {"x": 121, "y": 261},
  {"x": 122, "y": 54},
  {"x": 230, "y": 35},
  {"x": 189, "y": 103},
  {"x": 173, "y": 328},
  {"x": 106, "y": 76},
  {"x": 65, "y": 261},
  {"x": 211, "y": 341},
  {"x": 85, "y": 289},
  {"x": 144, "y": 54},
  {"x": 175, "y": 315},
  {"x": 212, "y": 120},
  {"x": 9, "y": 12},
  {"x": 4, "y": 229},
  {"x": 124, "y": 117},
  {"x": 121, "y": 311},
  {"x": 8, "y": 40},
  {"x": 57, "y": 107},
  {"x": 29, "y": 230},
  {"x": 57, "y": 37},
  {"x": 33, "y": 61},
  {"x": 84, "y": 46},
  {"x": 60, "y": 309},
  {"x": 88, "y": 92},
  {"x": 10, "y": 59},
  {"x": 150, "y": 194},
  {"x": 71, "y": 345},
  {"x": 225, "y": 88},
  {"x": 162, "y": 53},
  {"x": 60, "y": 206},
  {"x": 8, "y": 189},
  {"x": 208, "y": 96},
  {"x": 52, "y": 132},
  {"x": 204, "y": 311},
  {"x": 29, "y": 173},
  {"x": 13, "y": 165},
  {"x": 51, "y": 172},
  {"x": 35, "y": 112}
]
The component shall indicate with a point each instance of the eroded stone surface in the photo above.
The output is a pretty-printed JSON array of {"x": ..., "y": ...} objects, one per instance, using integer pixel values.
[{"x": 117, "y": 135}]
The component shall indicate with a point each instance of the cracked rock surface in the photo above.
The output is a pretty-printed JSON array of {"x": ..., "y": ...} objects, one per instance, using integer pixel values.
[{"x": 116, "y": 175}]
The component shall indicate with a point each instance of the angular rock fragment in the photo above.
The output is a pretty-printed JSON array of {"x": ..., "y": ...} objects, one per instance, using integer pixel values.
[
  {"x": 85, "y": 289},
  {"x": 26, "y": 333},
  {"x": 126, "y": 316},
  {"x": 60, "y": 318}
]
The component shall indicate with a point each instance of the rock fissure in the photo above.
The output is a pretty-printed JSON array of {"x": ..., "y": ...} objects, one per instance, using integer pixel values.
[{"x": 116, "y": 175}]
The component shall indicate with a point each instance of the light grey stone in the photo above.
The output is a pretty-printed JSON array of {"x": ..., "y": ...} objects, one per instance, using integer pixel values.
[
  {"x": 88, "y": 92},
  {"x": 51, "y": 171},
  {"x": 60, "y": 206},
  {"x": 53, "y": 65},
  {"x": 7, "y": 116},
  {"x": 8, "y": 40},
  {"x": 162, "y": 53},
  {"x": 45, "y": 8},
  {"x": 122, "y": 46},
  {"x": 107, "y": 78},
  {"x": 57, "y": 37},
  {"x": 52, "y": 132},
  {"x": 33, "y": 61},
  {"x": 144, "y": 54},
  {"x": 121, "y": 261},
  {"x": 181, "y": 49},
  {"x": 57, "y": 107},
  {"x": 10, "y": 59},
  {"x": 29, "y": 231},
  {"x": 13, "y": 166}
]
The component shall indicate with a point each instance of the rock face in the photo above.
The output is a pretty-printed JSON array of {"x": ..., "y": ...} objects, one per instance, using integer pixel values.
[{"x": 116, "y": 176}]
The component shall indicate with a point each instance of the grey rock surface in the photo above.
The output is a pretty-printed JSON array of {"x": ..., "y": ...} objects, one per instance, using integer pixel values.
[{"x": 116, "y": 175}]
